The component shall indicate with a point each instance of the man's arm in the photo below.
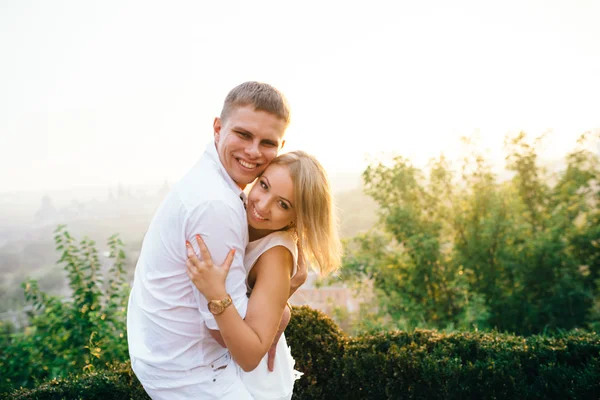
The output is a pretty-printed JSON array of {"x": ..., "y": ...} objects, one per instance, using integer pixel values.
[
  {"x": 223, "y": 229},
  {"x": 297, "y": 280},
  {"x": 285, "y": 320},
  {"x": 301, "y": 274}
]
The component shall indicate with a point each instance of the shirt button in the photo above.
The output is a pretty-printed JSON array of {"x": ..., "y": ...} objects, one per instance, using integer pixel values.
[
  {"x": 212, "y": 366},
  {"x": 214, "y": 380}
]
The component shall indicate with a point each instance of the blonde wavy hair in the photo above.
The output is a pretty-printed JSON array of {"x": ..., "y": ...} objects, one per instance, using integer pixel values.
[{"x": 316, "y": 220}]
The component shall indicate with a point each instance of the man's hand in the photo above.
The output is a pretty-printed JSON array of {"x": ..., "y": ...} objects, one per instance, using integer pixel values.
[
  {"x": 297, "y": 281},
  {"x": 217, "y": 336},
  {"x": 301, "y": 275},
  {"x": 285, "y": 320}
]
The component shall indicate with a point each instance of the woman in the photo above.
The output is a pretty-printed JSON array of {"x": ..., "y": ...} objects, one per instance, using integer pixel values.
[{"x": 289, "y": 207}]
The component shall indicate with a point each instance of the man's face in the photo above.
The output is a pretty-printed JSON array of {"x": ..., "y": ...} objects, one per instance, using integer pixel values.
[{"x": 247, "y": 141}]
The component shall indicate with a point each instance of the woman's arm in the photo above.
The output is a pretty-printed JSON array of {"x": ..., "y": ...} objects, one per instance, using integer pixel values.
[{"x": 247, "y": 340}]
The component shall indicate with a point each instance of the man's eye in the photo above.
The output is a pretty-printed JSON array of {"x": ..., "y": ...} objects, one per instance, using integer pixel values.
[
  {"x": 244, "y": 135},
  {"x": 263, "y": 185}
]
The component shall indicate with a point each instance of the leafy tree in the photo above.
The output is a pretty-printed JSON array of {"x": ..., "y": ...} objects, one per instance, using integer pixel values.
[
  {"x": 74, "y": 335},
  {"x": 460, "y": 249}
]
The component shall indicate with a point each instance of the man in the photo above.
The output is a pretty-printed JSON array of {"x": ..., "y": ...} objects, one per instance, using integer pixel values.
[{"x": 173, "y": 337}]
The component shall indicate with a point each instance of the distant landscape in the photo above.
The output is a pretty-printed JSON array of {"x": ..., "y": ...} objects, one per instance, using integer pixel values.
[{"x": 28, "y": 219}]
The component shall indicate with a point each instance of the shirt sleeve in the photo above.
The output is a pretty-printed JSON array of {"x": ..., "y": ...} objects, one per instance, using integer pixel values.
[{"x": 223, "y": 228}]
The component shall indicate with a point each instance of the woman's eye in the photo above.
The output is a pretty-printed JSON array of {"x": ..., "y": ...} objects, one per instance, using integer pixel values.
[
  {"x": 283, "y": 205},
  {"x": 263, "y": 185}
]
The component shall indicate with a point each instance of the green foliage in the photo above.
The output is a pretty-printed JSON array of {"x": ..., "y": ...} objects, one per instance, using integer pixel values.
[
  {"x": 114, "y": 382},
  {"x": 81, "y": 334},
  {"x": 422, "y": 364},
  {"x": 431, "y": 365},
  {"x": 462, "y": 250},
  {"x": 317, "y": 346}
]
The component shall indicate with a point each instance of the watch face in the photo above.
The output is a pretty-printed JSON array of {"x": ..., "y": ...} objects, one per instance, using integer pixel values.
[{"x": 215, "y": 308}]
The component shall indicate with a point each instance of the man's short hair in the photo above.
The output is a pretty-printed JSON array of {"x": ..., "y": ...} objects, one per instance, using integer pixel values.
[{"x": 262, "y": 96}]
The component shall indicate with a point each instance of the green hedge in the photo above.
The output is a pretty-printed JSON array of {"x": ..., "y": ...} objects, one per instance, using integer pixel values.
[
  {"x": 430, "y": 365},
  {"x": 116, "y": 382},
  {"x": 407, "y": 365}
]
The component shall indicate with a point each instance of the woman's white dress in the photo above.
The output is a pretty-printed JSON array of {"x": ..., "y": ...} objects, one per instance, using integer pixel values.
[{"x": 260, "y": 382}]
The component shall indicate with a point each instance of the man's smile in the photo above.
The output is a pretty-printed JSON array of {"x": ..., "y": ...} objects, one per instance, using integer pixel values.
[{"x": 246, "y": 165}]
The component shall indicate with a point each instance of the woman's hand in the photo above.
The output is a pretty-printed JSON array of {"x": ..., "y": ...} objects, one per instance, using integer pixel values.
[{"x": 205, "y": 275}]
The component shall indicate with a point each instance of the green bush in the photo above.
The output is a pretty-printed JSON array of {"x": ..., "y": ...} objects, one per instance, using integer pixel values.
[
  {"x": 83, "y": 333},
  {"x": 421, "y": 364},
  {"x": 117, "y": 382},
  {"x": 317, "y": 345},
  {"x": 430, "y": 365}
]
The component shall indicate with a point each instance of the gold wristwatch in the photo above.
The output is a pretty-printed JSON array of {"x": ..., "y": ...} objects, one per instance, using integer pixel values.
[{"x": 218, "y": 306}]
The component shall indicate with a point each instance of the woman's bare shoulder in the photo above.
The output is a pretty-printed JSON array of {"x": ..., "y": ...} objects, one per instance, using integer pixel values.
[{"x": 278, "y": 257}]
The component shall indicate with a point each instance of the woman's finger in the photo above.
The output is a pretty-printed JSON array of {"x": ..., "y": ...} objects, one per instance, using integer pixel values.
[
  {"x": 203, "y": 250},
  {"x": 190, "y": 250},
  {"x": 191, "y": 267},
  {"x": 228, "y": 260},
  {"x": 192, "y": 258}
]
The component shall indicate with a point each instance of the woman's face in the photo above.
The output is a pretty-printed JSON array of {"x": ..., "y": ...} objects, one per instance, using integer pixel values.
[{"x": 270, "y": 202}]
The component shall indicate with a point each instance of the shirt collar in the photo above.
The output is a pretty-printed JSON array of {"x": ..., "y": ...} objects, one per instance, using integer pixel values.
[{"x": 213, "y": 155}]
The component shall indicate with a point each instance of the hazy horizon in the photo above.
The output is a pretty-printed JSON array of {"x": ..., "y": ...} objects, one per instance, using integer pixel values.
[{"x": 99, "y": 93}]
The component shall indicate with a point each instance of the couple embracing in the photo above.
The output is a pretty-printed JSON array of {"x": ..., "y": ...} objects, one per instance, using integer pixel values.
[{"x": 208, "y": 305}]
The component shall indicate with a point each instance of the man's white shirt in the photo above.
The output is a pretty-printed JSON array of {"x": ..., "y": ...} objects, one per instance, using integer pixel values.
[{"x": 168, "y": 319}]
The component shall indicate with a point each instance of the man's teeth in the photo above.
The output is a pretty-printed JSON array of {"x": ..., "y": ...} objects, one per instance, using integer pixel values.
[
  {"x": 247, "y": 165},
  {"x": 256, "y": 214}
]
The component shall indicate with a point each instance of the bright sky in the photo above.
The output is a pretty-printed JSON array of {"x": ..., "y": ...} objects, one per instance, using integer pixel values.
[{"x": 95, "y": 93}]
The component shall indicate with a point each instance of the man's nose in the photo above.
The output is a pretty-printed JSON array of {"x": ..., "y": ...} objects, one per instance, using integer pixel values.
[{"x": 253, "y": 150}]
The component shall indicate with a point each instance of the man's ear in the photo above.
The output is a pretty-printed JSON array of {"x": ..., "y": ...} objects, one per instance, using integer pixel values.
[{"x": 217, "y": 129}]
